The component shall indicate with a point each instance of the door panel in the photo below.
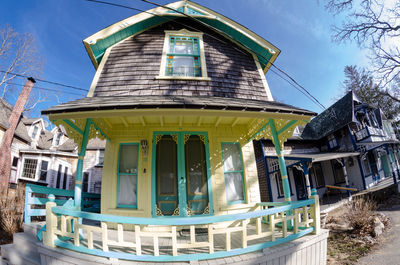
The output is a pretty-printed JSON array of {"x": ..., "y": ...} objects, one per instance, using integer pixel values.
[
  {"x": 166, "y": 176},
  {"x": 196, "y": 174}
]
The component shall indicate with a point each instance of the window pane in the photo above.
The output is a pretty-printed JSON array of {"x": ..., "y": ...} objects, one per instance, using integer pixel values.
[
  {"x": 183, "y": 47},
  {"x": 234, "y": 187},
  {"x": 85, "y": 181},
  {"x": 101, "y": 157},
  {"x": 183, "y": 66},
  {"x": 366, "y": 167},
  {"x": 29, "y": 170},
  {"x": 15, "y": 161},
  {"x": 43, "y": 170},
  {"x": 195, "y": 165},
  {"x": 59, "y": 176},
  {"x": 232, "y": 159},
  {"x": 166, "y": 166},
  {"x": 65, "y": 178},
  {"x": 128, "y": 158},
  {"x": 280, "y": 184},
  {"x": 127, "y": 190},
  {"x": 316, "y": 170},
  {"x": 339, "y": 174}
]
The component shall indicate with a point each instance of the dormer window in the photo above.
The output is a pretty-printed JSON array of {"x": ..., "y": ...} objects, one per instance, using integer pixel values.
[
  {"x": 183, "y": 56},
  {"x": 332, "y": 142},
  {"x": 35, "y": 132},
  {"x": 58, "y": 139}
]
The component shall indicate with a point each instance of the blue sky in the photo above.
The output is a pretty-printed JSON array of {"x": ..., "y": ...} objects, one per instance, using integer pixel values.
[{"x": 300, "y": 29}]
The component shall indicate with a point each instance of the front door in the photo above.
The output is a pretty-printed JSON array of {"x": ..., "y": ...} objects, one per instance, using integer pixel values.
[
  {"x": 299, "y": 181},
  {"x": 181, "y": 174}
]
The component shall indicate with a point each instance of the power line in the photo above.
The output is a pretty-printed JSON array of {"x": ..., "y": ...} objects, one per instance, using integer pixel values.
[
  {"x": 45, "y": 88},
  {"x": 46, "y": 81},
  {"x": 300, "y": 88},
  {"x": 205, "y": 24}
]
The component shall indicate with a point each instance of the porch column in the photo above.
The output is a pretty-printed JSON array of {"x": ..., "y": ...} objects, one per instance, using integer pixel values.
[
  {"x": 79, "y": 168},
  {"x": 281, "y": 160},
  {"x": 391, "y": 164},
  {"x": 307, "y": 177},
  {"x": 346, "y": 177}
]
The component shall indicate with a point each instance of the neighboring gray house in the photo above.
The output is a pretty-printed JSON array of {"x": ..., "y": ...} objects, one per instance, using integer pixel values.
[
  {"x": 49, "y": 157},
  {"x": 93, "y": 166},
  {"x": 351, "y": 144}
]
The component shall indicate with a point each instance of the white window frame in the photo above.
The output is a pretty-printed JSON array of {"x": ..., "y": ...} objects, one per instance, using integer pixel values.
[
  {"x": 69, "y": 173},
  {"x": 48, "y": 169},
  {"x": 183, "y": 33},
  {"x": 38, "y": 165}
]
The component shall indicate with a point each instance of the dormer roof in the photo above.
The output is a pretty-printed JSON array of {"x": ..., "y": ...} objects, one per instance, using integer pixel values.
[{"x": 97, "y": 43}]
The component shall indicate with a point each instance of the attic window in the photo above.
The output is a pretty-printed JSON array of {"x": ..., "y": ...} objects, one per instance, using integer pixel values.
[
  {"x": 35, "y": 131},
  {"x": 58, "y": 139},
  {"x": 183, "y": 56}
]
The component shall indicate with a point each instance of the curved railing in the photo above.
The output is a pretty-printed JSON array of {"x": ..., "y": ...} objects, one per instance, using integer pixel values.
[{"x": 180, "y": 238}]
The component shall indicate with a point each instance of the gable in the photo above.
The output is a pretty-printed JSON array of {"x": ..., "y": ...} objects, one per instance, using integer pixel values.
[
  {"x": 132, "y": 66},
  {"x": 332, "y": 119},
  {"x": 98, "y": 43}
]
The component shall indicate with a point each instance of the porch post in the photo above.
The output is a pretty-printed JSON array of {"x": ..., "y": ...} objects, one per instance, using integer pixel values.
[
  {"x": 346, "y": 177},
  {"x": 79, "y": 168},
  {"x": 281, "y": 160},
  {"x": 307, "y": 177},
  {"x": 391, "y": 164}
]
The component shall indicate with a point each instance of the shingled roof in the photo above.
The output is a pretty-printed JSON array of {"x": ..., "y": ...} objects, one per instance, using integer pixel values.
[
  {"x": 175, "y": 102},
  {"x": 332, "y": 119},
  {"x": 5, "y": 112}
]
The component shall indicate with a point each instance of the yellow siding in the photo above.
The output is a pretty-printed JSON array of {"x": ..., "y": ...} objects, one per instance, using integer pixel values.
[{"x": 216, "y": 135}]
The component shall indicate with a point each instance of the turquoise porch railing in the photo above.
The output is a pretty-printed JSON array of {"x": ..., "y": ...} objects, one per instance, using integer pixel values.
[
  {"x": 266, "y": 225},
  {"x": 36, "y": 199}
]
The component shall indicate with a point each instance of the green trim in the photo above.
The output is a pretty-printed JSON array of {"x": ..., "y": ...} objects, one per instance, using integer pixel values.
[
  {"x": 98, "y": 49},
  {"x": 129, "y": 174},
  {"x": 289, "y": 124},
  {"x": 184, "y": 257},
  {"x": 180, "y": 221},
  {"x": 73, "y": 126},
  {"x": 260, "y": 130},
  {"x": 281, "y": 160},
  {"x": 101, "y": 132},
  {"x": 79, "y": 167},
  {"x": 182, "y": 194},
  {"x": 235, "y": 171}
]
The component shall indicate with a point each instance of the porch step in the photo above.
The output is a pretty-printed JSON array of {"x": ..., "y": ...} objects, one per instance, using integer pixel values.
[
  {"x": 12, "y": 256},
  {"x": 32, "y": 228},
  {"x": 26, "y": 245}
]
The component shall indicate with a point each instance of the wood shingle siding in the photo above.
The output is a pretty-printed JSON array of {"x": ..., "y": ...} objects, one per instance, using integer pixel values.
[{"x": 134, "y": 63}]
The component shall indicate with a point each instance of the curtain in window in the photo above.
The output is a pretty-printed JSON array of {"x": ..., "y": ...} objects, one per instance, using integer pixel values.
[
  {"x": 128, "y": 161},
  {"x": 233, "y": 172},
  {"x": 232, "y": 159},
  {"x": 127, "y": 190}
]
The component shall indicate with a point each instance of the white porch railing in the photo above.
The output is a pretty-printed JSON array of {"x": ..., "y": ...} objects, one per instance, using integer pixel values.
[{"x": 271, "y": 224}]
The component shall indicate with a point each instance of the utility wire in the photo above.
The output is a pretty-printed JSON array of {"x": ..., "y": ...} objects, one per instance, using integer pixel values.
[
  {"x": 205, "y": 24},
  {"x": 300, "y": 88},
  {"x": 45, "y": 88},
  {"x": 46, "y": 81}
]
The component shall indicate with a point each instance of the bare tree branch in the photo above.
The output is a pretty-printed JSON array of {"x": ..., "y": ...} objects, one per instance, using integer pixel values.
[
  {"x": 18, "y": 54},
  {"x": 375, "y": 25}
]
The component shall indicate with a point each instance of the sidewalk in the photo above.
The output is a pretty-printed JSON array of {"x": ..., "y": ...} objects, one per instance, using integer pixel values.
[{"x": 388, "y": 252}]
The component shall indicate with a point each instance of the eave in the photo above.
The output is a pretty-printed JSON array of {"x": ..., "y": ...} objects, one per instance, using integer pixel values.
[{"x": 97, "y": 44}]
